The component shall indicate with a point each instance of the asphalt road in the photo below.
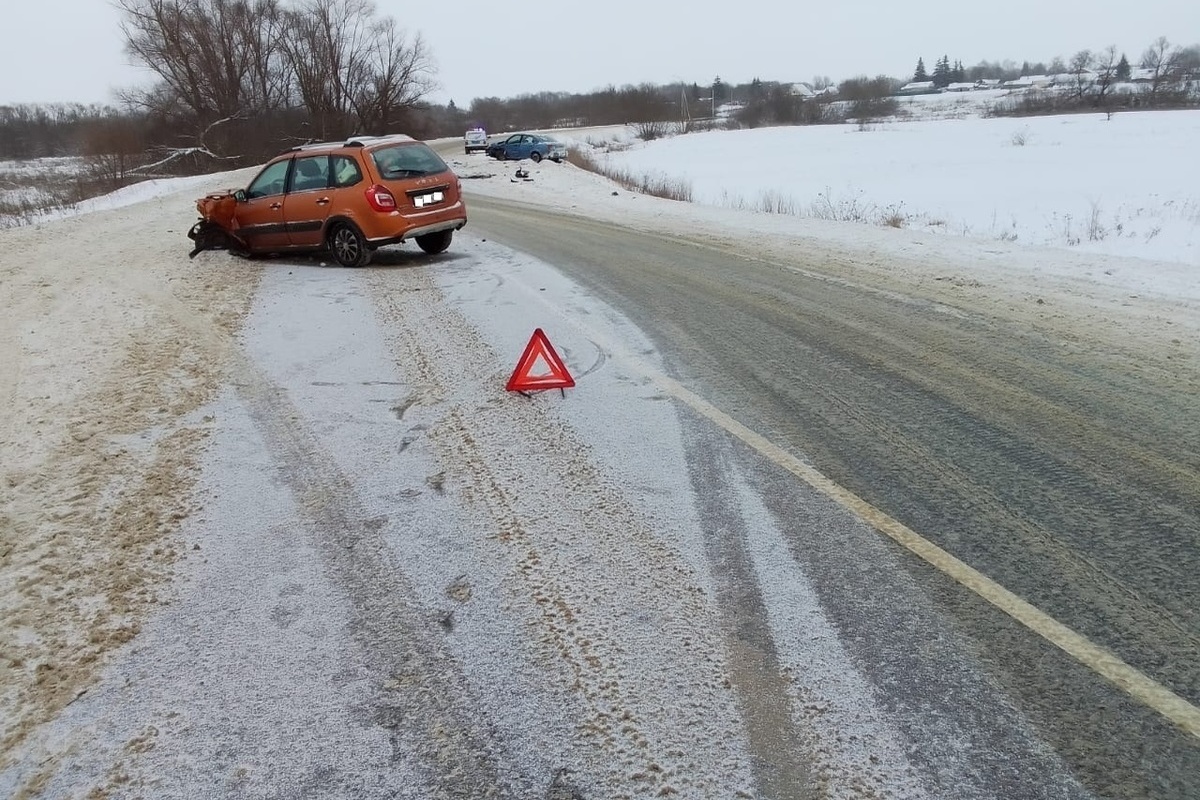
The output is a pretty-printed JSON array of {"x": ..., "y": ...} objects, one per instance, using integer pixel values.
[{"x": 1065, "y": 467}]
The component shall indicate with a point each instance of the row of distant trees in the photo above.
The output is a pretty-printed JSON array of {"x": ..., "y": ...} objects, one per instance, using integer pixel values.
[
  {"x": 1169, "y": 62},
  {"x": 238, "y": 80},
  {"x": 1169, "y": 76}
]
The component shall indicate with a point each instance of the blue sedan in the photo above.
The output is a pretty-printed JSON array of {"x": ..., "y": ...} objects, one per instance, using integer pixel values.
[{"x": 533, "y": 146}]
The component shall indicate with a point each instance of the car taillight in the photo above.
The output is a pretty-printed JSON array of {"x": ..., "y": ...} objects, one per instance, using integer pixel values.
[{"x": 380, "y": 198}]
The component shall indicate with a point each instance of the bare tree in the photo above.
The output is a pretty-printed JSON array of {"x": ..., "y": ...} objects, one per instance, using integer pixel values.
[
  {"x": 328, "y": 46},
  {"x": 869, "y": 97},
  {"x": 114, "y": 148},
  {"x": 397, "y": 74},
  {"x": 269, "y": 82},
  {"x": 1106, "y": 72},
  {"x": 213, "y": 57},
  {"x": 1163, "y": 62},
  {"x": 1082, "y": 76},
  {"x": 217, "y": 62}
]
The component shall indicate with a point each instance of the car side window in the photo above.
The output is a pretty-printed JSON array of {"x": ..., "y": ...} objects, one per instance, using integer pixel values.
[
  {"x": 345, "y": 171},
  {"x": 311, "y": 172},
  {"x": 270, "y": 181}
]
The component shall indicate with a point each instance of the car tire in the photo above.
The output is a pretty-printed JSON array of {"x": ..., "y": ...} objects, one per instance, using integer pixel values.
[
  {"x": 434, "y": 243},
  {"x": 348, "y": 246},
  {"x": 535, "y": 156}
]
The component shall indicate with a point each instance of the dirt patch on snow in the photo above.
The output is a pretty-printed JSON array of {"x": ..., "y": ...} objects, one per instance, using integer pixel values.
[{"x": 110, "y": 341}]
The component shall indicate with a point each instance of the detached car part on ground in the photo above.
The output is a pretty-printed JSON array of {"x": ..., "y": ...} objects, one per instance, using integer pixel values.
[
  {"x": 349, "y": 198},
  {"x": 533, "y": 146}
]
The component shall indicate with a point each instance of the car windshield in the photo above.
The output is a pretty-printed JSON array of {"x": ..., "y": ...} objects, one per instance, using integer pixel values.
[{"x": 407, "y": 161}]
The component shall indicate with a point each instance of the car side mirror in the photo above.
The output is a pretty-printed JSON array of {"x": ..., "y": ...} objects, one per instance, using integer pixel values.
[{"x": 240, "y": 195}]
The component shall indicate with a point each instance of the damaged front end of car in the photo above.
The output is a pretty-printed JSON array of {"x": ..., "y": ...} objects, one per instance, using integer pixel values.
[{"x": 214, "y": 229}]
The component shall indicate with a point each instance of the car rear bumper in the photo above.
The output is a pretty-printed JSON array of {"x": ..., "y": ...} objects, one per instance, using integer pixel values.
[{"x": 450, "y": 218}]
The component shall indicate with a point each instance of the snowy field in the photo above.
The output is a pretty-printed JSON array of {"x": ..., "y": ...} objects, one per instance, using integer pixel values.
[
  {"x": 133, "y": 374},
  {"x": 1128, "y": 186},
  {"x": 1125, "y": 186}
]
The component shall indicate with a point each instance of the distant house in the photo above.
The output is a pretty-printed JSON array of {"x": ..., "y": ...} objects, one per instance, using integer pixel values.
[
  {"x": 1077, "y": 77},
  {"x": 987, "y": 83},
  {"x": 729, "y": 110},
  {"x": 803, "y": 90},
  {"x": 918, "y": 87},
  {"x": 961, "y": 87},
  {"x": 1029, "y": 82}
]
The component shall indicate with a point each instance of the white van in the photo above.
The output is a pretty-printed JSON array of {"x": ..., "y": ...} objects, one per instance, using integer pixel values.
[{"x": 475, "y": 139}]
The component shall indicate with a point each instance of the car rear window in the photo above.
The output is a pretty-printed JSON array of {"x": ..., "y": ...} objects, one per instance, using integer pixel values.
[{"x": 407, "y": 161}]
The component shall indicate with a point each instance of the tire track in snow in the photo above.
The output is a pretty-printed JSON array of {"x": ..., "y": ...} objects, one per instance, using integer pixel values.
[
  {"x": 615, "y": 617},
  {"x": 421, "y": 692}
]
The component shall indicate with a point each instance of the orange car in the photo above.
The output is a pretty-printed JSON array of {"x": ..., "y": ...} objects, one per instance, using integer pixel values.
[{"x": 345, "y": 197}]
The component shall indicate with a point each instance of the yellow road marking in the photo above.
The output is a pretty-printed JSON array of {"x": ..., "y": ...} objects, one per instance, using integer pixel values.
[
  {"x": 1108, "y": 665},
  {"x": 1134, "y": 682}
]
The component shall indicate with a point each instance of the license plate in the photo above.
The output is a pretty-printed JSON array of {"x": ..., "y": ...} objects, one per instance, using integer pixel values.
[{"x": 422, "y": 200}]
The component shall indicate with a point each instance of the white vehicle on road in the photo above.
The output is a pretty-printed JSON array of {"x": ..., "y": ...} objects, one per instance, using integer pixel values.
[{"x": 475, "y": 139}]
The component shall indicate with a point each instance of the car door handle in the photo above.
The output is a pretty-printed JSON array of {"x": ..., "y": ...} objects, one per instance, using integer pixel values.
[
  {"x": 276, "y": 206},
  {"x": 324, "y": 201}
]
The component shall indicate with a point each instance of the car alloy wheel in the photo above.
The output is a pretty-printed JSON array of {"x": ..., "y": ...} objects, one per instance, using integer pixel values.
[{"x": 348, "y": 246}]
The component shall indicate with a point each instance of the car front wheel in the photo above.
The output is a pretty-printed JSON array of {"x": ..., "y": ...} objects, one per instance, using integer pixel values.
[
  {"x": 536, "y": 156},
  {"x": 434, "y": 243},
  {"x": 348, "y": 246}
]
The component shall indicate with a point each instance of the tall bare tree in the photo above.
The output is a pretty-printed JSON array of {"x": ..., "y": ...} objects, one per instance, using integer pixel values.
[
  {"x": 399, "y": 73},
  {"x": 353, "y": 72},
  {"x": 1082, "y": 76},
  {"x": 1163, "y": 62},
  {"x": 215, "y": 58},
  {"x": 328, "y": 47},
  {"x": 1105, "y": 63}
]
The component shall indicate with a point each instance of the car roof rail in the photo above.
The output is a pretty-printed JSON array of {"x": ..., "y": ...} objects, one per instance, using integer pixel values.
[
  {"x": 362, "y": 141},
  {"x": 314, "y": 146},
  {"x": 353, "y": 141}
]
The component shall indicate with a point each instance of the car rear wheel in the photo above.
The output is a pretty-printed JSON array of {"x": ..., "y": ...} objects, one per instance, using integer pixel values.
[
  {"x": 434, "y": 243},
  {"x": 536, "y": 156},
  {"x": 348, "y": 246}
]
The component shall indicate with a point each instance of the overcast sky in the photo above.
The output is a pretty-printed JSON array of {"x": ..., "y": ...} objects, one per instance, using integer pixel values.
[{"x": 71, "y": 50}]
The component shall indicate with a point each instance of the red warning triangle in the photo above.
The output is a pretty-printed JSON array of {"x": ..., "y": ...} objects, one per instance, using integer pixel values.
[{"x": 539, "y": 367}]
